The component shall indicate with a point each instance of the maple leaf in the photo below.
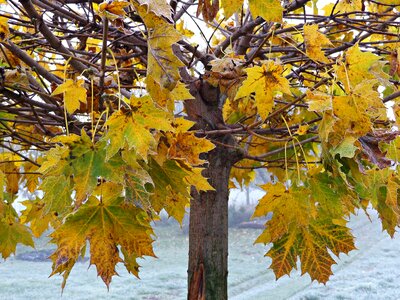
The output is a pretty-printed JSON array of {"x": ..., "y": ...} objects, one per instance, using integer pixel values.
[
  {"x": 74, "y": 93},
  {"x": 35, "y": 214},
  {"x": 380, "y": 188},
  {"x": 265, "y": 81},
  {"x": 171, "y": 190},
  {"x": 133, "y": 127},
  {"x": 242, "y": 175},
  {"x": 351, "y": 116},
  {"x": 83, "y": 161},
  {"x": 301, "y": 228},
  {"x": 172, "y": 181},
  {"x": 231, "y": 6},
  {"x": 107, "y": 223},
  {"x": 269, "y": 10},
  {"x": 31, "y": 175},
  {"x": 163, "y": 65},
  {"x": 318, "y": 101},
  {"x": 164, "y": 97},
  {"x": 113, "y": 10},
  {"x": 356, "y": 67},
  {"x": 160, "y": 8},
  {"x": 314, "y": 41},
  {"x": 12, "y": 233},
  {"x": 227, "y": 74},
  {"x": 4, "y": 30},
  {"x": 356, "y": 110},
  {"x": 186, "y": 146},
  {"x": 11, "y": 172},
  {"x": 344, "y": 6}
]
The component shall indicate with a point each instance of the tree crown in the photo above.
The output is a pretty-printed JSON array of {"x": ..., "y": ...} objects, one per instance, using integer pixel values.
[{"x": 110, "y": 108}]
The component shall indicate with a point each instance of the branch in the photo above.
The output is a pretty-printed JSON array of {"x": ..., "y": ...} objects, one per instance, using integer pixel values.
[
  {"x": 22, "y": 55},
  {"x": 50, "y": 37}
]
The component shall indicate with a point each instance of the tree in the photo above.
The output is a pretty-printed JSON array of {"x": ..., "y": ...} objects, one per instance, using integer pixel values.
[{"x": 91, "y": 116}]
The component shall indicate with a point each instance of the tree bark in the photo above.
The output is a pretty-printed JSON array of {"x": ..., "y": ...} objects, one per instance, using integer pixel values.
[{"x": 208, "y": 233}]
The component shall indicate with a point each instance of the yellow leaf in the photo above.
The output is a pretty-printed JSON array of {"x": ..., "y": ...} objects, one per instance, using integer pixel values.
[
  {"x": 345, "y": 6},
  {"x": 164, "y": 97},
  {"x": 302, "y": 129},
  {"x": 11, "y": 171},
  {"x": 196, "y": 179},
  {"x": 4, "y": 30},
  {"x": 113, "y": 9},
  {"x": 302, "y": 226},
  {"x": 269, "y": 10},
  {"x": 314, "y": 41},
  {"x": 107, "y": 225},
  {"x": 37, "y": 217},
  {"x": 184, "y": 30},
  {"x": 231, "y": 6},
  {"x": 31, "y": 175},
  {"x": 160, "y": 8},
  {"x": 162, "y": 64},
  {"x": 12, "y": 233},
  {"x": 186, "y": 146},
  {"x": 133, "y": 127},
  {"x": 356, "y": 67},
  {"x": 265, "y": 81},
  {"x": 74, "y": 93},
  {"x": 355, "y": 111},
  {"x": 318, "y": 101}
]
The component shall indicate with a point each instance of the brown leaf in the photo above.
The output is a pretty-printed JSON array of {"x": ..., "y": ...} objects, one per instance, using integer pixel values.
[
  {"x": 370, "y": 147},
  {"x": 394, "y": 63},
  {"x": 208, "y": 9}
]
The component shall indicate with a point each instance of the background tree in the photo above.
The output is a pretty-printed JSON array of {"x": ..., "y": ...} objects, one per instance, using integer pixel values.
[{"x": 91, "y": 115}]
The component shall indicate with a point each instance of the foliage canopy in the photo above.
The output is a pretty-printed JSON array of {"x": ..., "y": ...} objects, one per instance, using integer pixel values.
[{"x": 107, "y": 107}]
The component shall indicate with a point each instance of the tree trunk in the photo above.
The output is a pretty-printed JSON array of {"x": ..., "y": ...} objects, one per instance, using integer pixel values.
[
  {"x": 208, "y": 233},
  {"x": 208, "y": 227}
]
